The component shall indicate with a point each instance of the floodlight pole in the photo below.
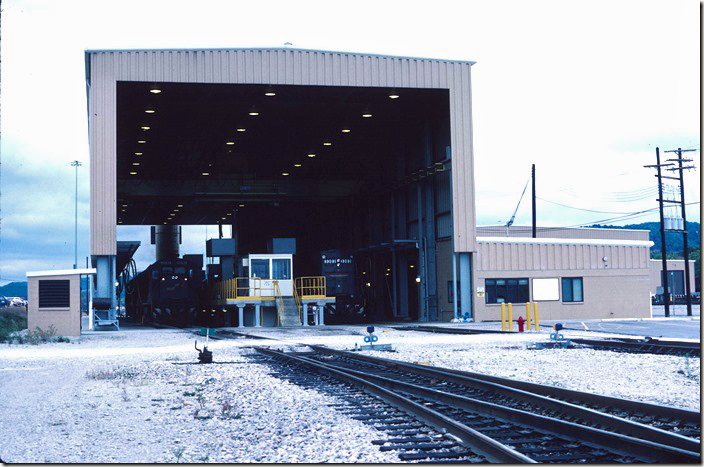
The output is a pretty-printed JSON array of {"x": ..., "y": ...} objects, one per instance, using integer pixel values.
[{"x": 76, "y": 164}]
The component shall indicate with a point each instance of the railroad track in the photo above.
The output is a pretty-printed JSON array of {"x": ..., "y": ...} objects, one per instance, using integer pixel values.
[
  {"x": 647, "y": 345},
  {"x": 482, "y": 420}
]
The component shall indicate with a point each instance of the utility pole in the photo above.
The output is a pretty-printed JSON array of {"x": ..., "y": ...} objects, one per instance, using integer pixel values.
[
  {"x": 76, "y": 164},
  {"x": 662, "y": 231},
  {"x": 681, "y": 169},
  {"x": 533, "y": 177}
]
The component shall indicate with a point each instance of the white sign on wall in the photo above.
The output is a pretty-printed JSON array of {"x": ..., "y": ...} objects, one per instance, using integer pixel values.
[{"x": 545, "y": 290}]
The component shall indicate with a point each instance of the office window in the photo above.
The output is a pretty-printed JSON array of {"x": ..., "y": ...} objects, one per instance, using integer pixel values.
[
  {"x": 572, "y": 289},
  {"x": 259, "y": 268},
  {"x": 54, "y": 294},
  {"x": 506, "y": 290},
  {"x": 281, "y": 269}
]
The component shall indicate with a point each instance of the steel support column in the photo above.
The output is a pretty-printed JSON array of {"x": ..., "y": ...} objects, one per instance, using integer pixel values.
[{"x": 465, "y": 284}]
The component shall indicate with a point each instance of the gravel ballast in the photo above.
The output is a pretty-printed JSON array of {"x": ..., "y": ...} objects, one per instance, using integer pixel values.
[{"x": 135, "y": 396}]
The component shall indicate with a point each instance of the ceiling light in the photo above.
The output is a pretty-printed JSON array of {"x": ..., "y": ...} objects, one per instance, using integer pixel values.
[
  {"x": 135, "y": 163},
  {"x": 346, "y": 130},
  {"x": 141, "y": 141},
  {"x": 366, "y": 114},
  {"x": 133, "y": 173},
  {"x": 145, "y": 128},
  {"x": 229, "y": 213},
  {"x": 285, "y": 174},
  {"x": 149, "y": 111},
  {"x": 138, "y": 153},
  {"x": 230, "y": 143},
  {"x": 296, "y": 165},
  {"x": 224, "y": 218},
  {"x": 253, "y": 111},
  {"x": 180, "y": 205},
  {"x": 205, "y": 173},
  {"x": 155, "y": 91},
  {"x": 241, "y": 129},
  {"x": 241, "y": 205},
  {"x": 269, "y": 92},
  {"x": 123, "y": 210},
  {"x": 124, "y": 205},
  {"x": 311, "y": 155},
  {"x": 327, "y": 143},
  {"x": 175, "y": 210},
  {"x": 393, "y": 94}
]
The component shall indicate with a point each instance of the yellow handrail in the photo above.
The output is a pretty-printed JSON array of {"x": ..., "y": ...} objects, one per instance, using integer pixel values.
[
  {"x": 311, "y": 287},
  {"x": 298, "y": 305},
  {"x": 280, "y": 300}
]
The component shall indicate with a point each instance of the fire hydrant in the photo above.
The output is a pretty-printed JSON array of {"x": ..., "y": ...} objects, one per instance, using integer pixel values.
[{"x": 520, "y": 322}]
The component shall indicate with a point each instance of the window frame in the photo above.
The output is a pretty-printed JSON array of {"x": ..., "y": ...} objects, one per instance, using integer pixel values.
[
  {"x": 513, "y": 290},
  {"x": 572, "y": 281}
]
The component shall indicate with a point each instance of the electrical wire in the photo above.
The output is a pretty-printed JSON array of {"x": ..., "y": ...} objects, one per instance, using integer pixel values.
[{"x": 580, "y": 209}]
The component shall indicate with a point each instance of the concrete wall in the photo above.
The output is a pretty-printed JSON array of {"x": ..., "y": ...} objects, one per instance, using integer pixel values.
[
  {"x": 617, "y": 287},
  {"x": 66, "y": 321}
]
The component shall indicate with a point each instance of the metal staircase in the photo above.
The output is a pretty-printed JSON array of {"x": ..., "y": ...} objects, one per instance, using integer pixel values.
[{"x": 289, "y": 316}]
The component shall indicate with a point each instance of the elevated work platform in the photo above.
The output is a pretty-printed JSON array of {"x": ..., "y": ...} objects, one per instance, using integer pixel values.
[{"x": 253, "y": 294}]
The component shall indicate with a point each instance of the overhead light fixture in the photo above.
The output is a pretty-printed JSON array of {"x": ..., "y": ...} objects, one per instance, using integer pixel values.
[
  {"x": 241, "y": 205},
  {"x": 135, "y": 163},
  {"x": 253, "y": 111},
  {"x": 311, "y": 155},
  {"x": 285, "y": 174},
  {"x": 133, "y": 173},
  {"x": 297, "y": 165},
  {"x": 229, "y": 213},
  {"x": 175, "y": 210},
  {"x": 141, "y": 141},
  {"x": 155, "y": 89},
  {"x": 327, "y": 143},
  {"x": 149, "y": 111},
  {"x": 145, "y": 128},
  {"x": 346, "y": 130},
  {"x": 269, "y": 92},
  {"x": 138, "y": 153},
  {"x": 180, "y": 205},
  {"x": 124, "y": 205},
  {"x": 241, "y": 129},
  {"x": 366, "y": 113},
  {"x": 230, "y": 143},
  {"x": 393, "y": 94},
  {"x": 205, "y": 173}
]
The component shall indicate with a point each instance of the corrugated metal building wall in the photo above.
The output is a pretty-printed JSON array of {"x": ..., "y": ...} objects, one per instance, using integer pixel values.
[{"x": 269, "y": 66}]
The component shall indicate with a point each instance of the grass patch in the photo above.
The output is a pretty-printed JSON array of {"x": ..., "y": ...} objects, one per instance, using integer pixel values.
[{"x": 111, "y": 373}]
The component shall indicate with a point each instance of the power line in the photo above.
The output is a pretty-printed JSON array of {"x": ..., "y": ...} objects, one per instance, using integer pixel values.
[{"x": 580, "y": 209}]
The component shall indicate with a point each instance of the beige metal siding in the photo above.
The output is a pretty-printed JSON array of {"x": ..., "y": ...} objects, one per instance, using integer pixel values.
[
  {"x": 494, "y": 256},
  {"x": 270, "y": 66}
]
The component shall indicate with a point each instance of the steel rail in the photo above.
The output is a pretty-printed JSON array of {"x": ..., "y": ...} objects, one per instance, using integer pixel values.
[
  {"x": 611, "y": 422},
  {"x": 625, "y": 445},
  {"x": 656, "y": 347},
  {"x": 472, "y": 439}
]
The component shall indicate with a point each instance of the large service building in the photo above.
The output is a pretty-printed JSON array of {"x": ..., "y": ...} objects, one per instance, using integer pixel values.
[{"x": 363, "y": 160}]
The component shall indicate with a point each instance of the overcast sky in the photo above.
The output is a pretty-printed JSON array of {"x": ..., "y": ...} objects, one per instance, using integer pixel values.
[{"x": 584, "y": 90}]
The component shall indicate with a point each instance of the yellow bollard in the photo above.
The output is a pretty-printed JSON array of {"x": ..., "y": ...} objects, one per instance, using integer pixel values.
[
  {"x": 535, "y": 314},
  {"x": 510, "y": 318},
  {"x": 528, "y": 316},
  {"x": 503, "y": 317}
]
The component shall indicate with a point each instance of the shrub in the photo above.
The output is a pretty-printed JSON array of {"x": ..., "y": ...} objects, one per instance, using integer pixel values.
[{"x": 10, "y": 324}]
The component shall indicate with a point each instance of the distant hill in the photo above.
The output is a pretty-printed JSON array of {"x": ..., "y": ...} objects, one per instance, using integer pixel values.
[
  {"x": 673, "y": 240},
  {"x": 14, "y": 289}
]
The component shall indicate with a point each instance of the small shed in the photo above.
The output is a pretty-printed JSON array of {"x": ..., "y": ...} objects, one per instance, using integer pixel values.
[{"x": 54, "y": 299}]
